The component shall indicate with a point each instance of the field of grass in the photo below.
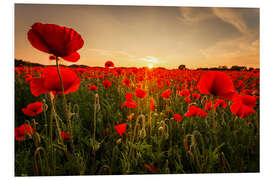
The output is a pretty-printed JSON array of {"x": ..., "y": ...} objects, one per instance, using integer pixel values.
[{"x": 154, "y": 141}]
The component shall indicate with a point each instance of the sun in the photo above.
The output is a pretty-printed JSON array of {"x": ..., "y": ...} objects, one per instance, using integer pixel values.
[{"x": 150, "y": 66}]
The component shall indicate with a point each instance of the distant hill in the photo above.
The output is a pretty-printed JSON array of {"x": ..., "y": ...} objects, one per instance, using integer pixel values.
[{"x": 19, "y": 62}]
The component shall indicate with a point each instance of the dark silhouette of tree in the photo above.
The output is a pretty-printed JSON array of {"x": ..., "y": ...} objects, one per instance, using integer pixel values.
[
  {"x": 182, "y": 67},
  {"x": 239, "y": 68}
]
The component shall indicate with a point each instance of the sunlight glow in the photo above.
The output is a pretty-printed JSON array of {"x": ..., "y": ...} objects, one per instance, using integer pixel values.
[
  {"x": 152, "y": 59},
  {"x": 150, "y": 66}
]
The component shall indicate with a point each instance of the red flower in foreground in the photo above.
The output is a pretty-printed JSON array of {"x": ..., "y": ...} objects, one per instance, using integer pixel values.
[
  {"x": 140, "y": 93},
  {"x": 247, "y": 100},
  {"x": 166, "y": 94},
  {"x": 64, "y": 135},
  {"x": 106, "y": 83},
  {"x": 120, "y": 128},
  {"x": 150, "y": 168},
  {"x": 195, "y": 111},
  {"x": 33, "y": 109},
  {"x": 56, "y": 40},
  {"x": 109, "y": 64},
  {"x": 243, "y": 105},
  {"x": 216, "y": 83},
  {"x": 241, "y": 110},
  {"x": 177, "y": 117},
  {"x": 50, "y": 81},
  {"x": 20, "y": 132},
  {"x": 129, "y": 102}
]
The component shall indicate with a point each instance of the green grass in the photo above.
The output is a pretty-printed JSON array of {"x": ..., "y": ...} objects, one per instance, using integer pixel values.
[{"x": 172, "y": 147}]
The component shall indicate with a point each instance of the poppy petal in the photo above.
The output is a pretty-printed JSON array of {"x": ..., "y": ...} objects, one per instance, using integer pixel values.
[
  {"x": 74, "y": 57},
  {"x": 54, "y": 39},
  {"x": 36, "y": 86},
  {"x": 37, "y": 41},
  {"x": 120, "y": 128},
  {"x": 27, "y": 112}
]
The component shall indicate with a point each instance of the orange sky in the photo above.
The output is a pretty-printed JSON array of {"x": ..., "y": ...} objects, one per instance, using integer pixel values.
[{"x": 140, "y": 35}]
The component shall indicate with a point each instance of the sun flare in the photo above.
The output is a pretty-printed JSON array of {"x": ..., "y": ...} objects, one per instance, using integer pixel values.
[{"x": 150, "y": 66}]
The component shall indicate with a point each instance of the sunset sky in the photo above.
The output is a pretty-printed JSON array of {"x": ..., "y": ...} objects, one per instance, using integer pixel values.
[{"x": 144, "y": 35}]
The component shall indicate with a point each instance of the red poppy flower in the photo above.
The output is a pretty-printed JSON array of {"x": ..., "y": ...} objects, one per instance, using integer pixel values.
[
  {"x": 129, "y": 102},
  {"x": 129, "y": 96},
  {"x": 220, "y": 102},
  {"x": 187, "y": 99},
  {"x": 184, "y": 92},
  {"x": 248, "y": 100},
  {"x": 106, "y": 83},
  {"x": 216, "y": 83},
  {"x": 140, "y": 93},
  {"x": 241, "y": 110},
  {"x": 195, "y": 96},
  {"x": 50, "y": 81},
  {"x": 150, "y": 168},
  {"x": 166, "y": 94},
  {"x": 56, "y": 40},
  {"x": 127, "y": 82},
  {"x": 64, "y": 135},
  {"x": 195, "y": 111},
  {"x": 109, "y": 64},
  {"x": 140, "y": 78},
  {"x": 93, "y": 88},
  {"x": 177, "y": 117},
  {"x": 208, "y": 105},
  {"x": 242, "y": 105},
  {"x": 120, "y": 128},
  {"x": 28, "y": 78},
  {"x": 152, "y": 105},
  {"x": 20, "y": 132},
  {"x": 33, "y": 109},
  {"x": 19, "y": 70}
]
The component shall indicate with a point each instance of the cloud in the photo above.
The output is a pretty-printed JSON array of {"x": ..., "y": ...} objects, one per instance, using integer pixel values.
[
  {"x": 192, "y": 15},
  {"x": 243, "y": 19},
  {"x": 233, "y": 16},
  {"x": 150, "y": 59},
  {"x": 239, "y": 51},
  {"x": 111, "y": 53}
]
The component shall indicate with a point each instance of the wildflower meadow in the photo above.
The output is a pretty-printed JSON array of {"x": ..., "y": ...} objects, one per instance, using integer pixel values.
[{"x": 116, "y": 120}]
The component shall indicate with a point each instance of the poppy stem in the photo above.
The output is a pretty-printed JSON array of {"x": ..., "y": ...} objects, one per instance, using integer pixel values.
[
  {"x": 94, "y": 133},
  {"x": 66, "y": 108},
  {"x": 214, "y": 122},
  {"x": 51, "y": 136},
  {"x": 59, "y": 133}
]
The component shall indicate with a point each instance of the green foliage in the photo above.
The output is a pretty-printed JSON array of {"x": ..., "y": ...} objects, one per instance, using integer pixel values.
[{"x": 170, "y": 146}]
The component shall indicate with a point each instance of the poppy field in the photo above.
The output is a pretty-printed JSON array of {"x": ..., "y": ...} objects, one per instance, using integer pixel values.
[{"x": 120, "y": 120}]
